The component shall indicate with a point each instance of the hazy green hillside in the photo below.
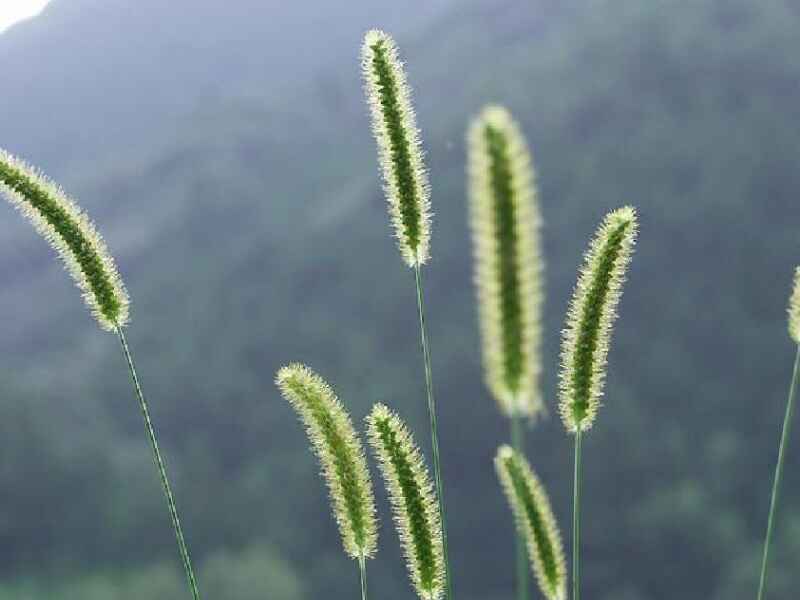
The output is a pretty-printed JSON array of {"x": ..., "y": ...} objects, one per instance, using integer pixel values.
[
  {"x": 96, "y": 76},
  {"x": 252, "y": 231}
]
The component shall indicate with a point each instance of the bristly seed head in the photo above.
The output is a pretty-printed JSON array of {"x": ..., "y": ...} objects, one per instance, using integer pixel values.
[
  {"x": 535, "y": 521},
  {"x": 399, "y": 148},
  {"x": 590, "y": 317},
  {"x": 344, "y": 464},
  {"x": 412, "y": 498},
  {"x": 794, "y": 308},
  {"x": 508, "y": 261},
  {"x": 69, "y": 231}
]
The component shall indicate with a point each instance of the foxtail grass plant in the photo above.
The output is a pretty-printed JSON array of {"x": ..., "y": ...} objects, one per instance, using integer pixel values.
[
  {"x": 535, "y": 521},
  {"x": 341, "y": 454},
  {"x": 505, "y": 220},
  {"x": 76, "y": 241},
  {"x": 794, "y": 334},
  {"x": 586, "y": 339},
  {"x": 407, "y": 192},
  {"x": 412, "y": 497}
]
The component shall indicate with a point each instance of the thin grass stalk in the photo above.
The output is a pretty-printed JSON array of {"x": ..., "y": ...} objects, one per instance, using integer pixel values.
[
  {"x": 576, "y": 519},
  {"x": 362, "y": 567},
  {"x": 437, "y": 466},
  {"x": 776, "y": 484},
  {"x": 518, "y": 443},
  {"x": 162, "y": 471}
]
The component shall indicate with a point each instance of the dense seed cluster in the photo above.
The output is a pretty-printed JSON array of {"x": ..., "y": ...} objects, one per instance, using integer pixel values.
[
  {"x": 794, "y": 308},
  {"x": 535, "y": 521},
  {"x": 73, "y": 236},
  {"x": 412, "y": 498},
  {"x": 505, "y": 222},
  {"x": 344, "y": 464},
  {"x": 399, "y": 148},
  {"x": 590, "y": 318}
]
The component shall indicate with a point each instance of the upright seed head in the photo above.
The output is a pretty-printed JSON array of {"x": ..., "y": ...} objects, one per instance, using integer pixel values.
[
  {"x": 508, "y": 262},
  {"x": 344, "y": 465},
  {"x": 399, "y": 148},
  {"x": 590, "y": 317},
  {"x": 413, "y": 500},
  {"x": 73, "y": 236},
  {"x": 794, "y": 308},
  {"x": 535, "y": 521}
]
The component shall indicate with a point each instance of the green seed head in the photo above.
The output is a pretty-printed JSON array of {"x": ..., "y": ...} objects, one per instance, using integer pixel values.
[
  {"x": 413, "y": 500},
  {"x": 590, "y": 317},
  {"x": 794, "y": 308},
  {"x": 73, "y": 236},
  {"x": 344, "y": 465},
  {"x": 535, "y": 521},
  {"x": 399, "y": 148},
  {"x": 508, "y": 262}
]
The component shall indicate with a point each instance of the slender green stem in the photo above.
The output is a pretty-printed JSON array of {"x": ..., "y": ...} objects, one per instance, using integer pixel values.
[
  {"x": 362, "y": 567},
  {"x": 162, "y": 472},
  {"x": 518, "y": 442},
  {"x": 576, "y": 521},
  {"x": 776, "y": 484},
  {"x": 437, "y": 467}
]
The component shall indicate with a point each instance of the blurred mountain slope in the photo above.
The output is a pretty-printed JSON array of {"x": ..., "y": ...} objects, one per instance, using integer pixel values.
[{"x": 90, "y": 77}]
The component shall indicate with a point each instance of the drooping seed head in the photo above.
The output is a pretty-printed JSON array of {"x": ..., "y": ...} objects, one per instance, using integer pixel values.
[
  {"x": 344, "y": 464},
  {"x": 591, "y": 314},
  {"x": 399, "y": 148},
  {"x": 508, "y": 262},
  {"x": 413, "y": 500},
  {"x": 72, "y": 235},
  {"x": 535, "y": 521},
  {"x": 794, "y": 308}
]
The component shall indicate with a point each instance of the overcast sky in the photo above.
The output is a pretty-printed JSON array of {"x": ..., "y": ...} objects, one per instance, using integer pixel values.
[{"x": 12, "y": 11}]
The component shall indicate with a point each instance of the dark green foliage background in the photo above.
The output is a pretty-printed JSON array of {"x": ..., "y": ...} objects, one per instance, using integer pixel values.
[{"x": 226, "y": 155}]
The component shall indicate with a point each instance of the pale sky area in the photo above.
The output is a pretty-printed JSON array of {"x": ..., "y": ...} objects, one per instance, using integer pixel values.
[{"x": 12, "y": 11}]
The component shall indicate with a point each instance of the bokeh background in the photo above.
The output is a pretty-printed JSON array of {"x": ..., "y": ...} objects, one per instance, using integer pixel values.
[{"x": 224, "y": 150}]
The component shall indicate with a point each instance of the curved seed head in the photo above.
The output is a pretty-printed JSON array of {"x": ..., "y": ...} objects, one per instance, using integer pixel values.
[
  {"x": 399, "y": 148},
  {"x": 794, "y": 308},
  {"x": 413, "y": 500},
  {"x": 72, "y": 235},
  {"x": 535, "y": 521},
  {"x": 508, "y": 262},
  {"x": 590, "y": 317},
  {"x": 344, "y": 465}
]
